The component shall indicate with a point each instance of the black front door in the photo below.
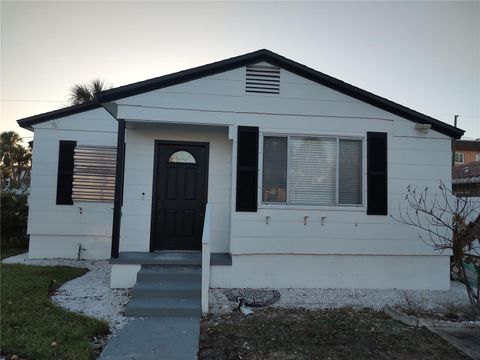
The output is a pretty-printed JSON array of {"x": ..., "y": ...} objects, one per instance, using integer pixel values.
[{"x": 180, "y": 195}]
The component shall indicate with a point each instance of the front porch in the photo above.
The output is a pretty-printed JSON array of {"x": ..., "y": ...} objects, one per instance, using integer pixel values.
[
  {"x": 167, "y": 283},
  {"x": 161, "y": 195},
  {"x": 126, "y": 266},
  {"x": 172, "y": 214},
  {"x": 169, "y": 258}
]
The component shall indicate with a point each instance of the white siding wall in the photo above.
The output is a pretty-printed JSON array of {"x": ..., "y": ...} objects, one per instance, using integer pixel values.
[
  {"x": 334, "y": 271},
  {"x": 57, "y": 230},
  {"x": 266, "y": 255},
  {"x": 136, "y": 211},
  {"x": 304, "y": 107}
]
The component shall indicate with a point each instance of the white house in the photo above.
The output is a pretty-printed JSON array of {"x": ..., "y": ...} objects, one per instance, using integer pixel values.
[{"x": 301, "y": 173}]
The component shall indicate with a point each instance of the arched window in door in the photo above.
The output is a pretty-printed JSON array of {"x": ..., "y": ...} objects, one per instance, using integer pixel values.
[{"x": 182, "y": 157}]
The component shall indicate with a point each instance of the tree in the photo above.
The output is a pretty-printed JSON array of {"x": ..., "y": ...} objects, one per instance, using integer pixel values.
[
  {"x": 448, "y": 222},
  {"x": 84, "y": 93},
  {"x": 15, "y": 162}
]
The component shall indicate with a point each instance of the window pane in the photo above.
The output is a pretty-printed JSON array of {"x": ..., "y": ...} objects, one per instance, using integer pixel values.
[
  {"x": 312, "y": 171},
  {"x": 274, "y": 169},
  {"x": 350, "y": 172},
  {"x": 182, "y": 157},
  {"x": 459, "y": 158}
]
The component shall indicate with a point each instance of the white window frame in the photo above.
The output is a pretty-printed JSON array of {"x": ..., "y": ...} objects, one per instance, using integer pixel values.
[
  {"x": 477, "y": 157},
  {"x": 288, "y": 134},
  {"x": 463, "y": 157}
]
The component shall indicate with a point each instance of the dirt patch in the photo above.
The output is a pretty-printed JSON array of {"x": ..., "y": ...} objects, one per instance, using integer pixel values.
[
  {"x": 448, "y": 312},
  {"x": 323, "y": 334}
]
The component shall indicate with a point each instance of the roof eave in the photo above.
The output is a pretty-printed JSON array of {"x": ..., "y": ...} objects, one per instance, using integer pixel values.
[
  {"x": 235, "y": 62},
  {"x": 290, "y": 65},
  {"x": 29, "y": 122}
]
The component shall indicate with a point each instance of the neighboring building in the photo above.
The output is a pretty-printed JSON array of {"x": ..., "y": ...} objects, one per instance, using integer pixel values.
[
  {"x": 467, "y": 151},
  {"x": 466, "y": 179},
  {"x": 300, "y": 172}
]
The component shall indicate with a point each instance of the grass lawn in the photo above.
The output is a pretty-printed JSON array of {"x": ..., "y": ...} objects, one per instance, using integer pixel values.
[
  {"x": 32, "y": 326},
  {"x": 280, "y": 334}
]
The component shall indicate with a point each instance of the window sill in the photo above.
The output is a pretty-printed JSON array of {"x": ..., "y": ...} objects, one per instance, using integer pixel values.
[{"x": 359, "y": 208}]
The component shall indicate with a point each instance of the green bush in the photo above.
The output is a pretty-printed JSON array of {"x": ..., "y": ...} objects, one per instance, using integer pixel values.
[{"x": 14, "y": 215}]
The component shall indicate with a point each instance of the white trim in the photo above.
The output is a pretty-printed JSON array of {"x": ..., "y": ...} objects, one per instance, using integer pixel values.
[
  {"x": 288, "y": 134},
  {"x": 206, "y": 234},
  {"x": 260, "y": 172},
  {"x": 271, "y": 206},
  {"x": 233, "y": 191},
  {"x": 364, "y": 171},
  {"x": 232, "y": 129},
  {"x": 337, "y": 173}
]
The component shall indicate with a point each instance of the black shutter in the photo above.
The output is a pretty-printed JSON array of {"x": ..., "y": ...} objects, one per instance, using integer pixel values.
[
  {"x": 377, "y": 185},
  {"x": 247, "y": 168},
  {"x": 65, "y": 172}
]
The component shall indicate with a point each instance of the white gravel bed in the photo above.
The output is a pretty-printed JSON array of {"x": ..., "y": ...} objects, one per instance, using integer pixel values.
[
  {"x": 371, "y": 298},
  {"x": 89, "y": 294}
]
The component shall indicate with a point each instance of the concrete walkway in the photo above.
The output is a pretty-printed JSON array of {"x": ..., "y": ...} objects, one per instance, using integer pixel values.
[
  {"x": 159, "y": 338},
  {"x": 466, "y": 340}
]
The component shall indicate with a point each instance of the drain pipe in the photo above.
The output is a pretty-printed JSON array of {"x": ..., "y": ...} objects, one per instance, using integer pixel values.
[{"x": 80, "y": 249}]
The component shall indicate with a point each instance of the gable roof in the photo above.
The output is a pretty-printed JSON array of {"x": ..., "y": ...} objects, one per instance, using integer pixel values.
[
  {"x": 467, "y": 145},
  {"x": 28, "y": 122},
  {"x": 280, "y": 61}
]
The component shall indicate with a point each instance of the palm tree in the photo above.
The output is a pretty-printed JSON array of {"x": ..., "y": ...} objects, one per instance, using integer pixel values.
[
  {"x": 15, "y": 161},
  {"x": 84, "y": 93}
]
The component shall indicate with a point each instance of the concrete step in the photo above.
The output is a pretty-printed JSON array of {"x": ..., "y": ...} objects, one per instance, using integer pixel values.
[
  {"x": 169, "y": 274},
  {"x": 168, "y": 289},
  {"x": 164, "y": 307}
]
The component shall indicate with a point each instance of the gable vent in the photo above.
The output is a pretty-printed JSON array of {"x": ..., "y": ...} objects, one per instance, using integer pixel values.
[{"x": 263, "y": 79}]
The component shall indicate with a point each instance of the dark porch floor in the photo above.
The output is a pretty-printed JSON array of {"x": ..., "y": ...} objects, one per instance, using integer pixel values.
[{"x": 190, "y": 258}]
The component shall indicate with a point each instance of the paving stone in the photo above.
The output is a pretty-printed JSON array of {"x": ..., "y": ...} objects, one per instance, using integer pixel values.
[
  {"x": 466, "y": 340},
  {"x": 155, "y": 339}
]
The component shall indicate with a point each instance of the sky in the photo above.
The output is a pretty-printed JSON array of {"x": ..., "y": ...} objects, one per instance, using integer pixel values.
[{"x": 424, "y": 55}]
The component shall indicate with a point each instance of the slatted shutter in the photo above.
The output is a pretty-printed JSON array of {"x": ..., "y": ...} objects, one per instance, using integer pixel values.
[
  {"x": 65, "y": 172},
  {"x": 247, "y": 168},
  {"x": 94, "y": 173},
  {"x": 377, "y": 189}
]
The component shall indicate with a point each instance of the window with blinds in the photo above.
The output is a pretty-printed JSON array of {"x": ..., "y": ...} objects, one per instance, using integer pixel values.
[
  {"x": 312, "y": 171},
  {"x": 301, "y": 170},
  {"x": 94, "y": 173}
]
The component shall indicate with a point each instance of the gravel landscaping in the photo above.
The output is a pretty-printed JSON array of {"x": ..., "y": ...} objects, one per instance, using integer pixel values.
[
  {"x": 89, "y": 294},
  {"x": 335, "y": 298}
]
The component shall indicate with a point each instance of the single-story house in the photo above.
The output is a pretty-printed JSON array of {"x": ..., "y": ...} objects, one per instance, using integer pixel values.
[{"x": 276, "y": 174}]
